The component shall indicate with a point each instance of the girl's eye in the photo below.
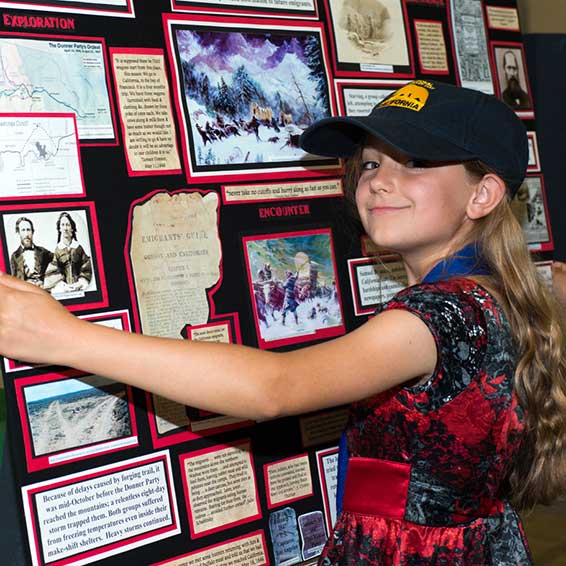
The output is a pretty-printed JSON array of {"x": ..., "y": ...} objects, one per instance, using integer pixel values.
[{"x": 369, "y": 165}]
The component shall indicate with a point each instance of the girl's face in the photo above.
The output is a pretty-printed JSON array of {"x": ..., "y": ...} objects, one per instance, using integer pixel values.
[{"x": 410, "y": 206}]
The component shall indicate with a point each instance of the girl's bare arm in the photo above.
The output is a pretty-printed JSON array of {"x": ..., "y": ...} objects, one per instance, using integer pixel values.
[{"x": 236, "y": 380}]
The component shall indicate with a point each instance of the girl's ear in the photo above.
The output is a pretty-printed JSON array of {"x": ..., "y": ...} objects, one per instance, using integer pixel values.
[{"x": 487, "y": 194}]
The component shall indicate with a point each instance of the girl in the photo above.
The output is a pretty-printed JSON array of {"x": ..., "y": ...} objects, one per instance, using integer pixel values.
[{"x": 457, "y": 385}]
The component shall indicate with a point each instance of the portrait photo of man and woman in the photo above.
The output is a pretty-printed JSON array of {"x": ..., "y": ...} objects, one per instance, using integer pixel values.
[{"x": 51, "y": 249}]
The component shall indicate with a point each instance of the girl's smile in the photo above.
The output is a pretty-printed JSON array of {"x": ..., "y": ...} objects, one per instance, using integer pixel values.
[{"x": 380, "y": 210}]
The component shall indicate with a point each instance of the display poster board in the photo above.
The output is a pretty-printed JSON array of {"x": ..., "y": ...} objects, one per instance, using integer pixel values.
[{"x": 152, "y": 181}]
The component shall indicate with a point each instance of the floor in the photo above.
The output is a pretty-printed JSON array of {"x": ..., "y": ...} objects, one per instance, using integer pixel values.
[{"x": 546, "y": 532}]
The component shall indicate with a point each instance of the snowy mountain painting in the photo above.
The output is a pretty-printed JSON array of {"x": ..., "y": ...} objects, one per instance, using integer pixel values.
[{"x": 249, "y": 95}]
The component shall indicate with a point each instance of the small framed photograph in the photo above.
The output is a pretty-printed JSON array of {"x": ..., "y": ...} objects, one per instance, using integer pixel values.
[
  {"x": 293, "y": 287},
  {"x": 56, "y": 247},
  {"x": 71, "y": 416},
  {"x": 301, "y": 9},
  {"x": 244, "y": 97},
  {"x": 358, "y": 97},
  {"x": 534, "y": 160},
  {"x": 512, "y": 79},
  {"x": 544, "y": 269},
  {"x": 530, "y": 208},
  {"x": 370, "y": 39},
  {"x": 470, "y": 41}
]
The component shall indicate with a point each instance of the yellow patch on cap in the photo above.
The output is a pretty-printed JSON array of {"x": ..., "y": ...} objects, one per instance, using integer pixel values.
[{"x": 412, "y": 96}]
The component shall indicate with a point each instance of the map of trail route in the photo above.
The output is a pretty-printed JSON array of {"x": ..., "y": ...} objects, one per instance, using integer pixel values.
[
  {"x": 39, "y": 156},
  {"x": 52, "y": 75}
]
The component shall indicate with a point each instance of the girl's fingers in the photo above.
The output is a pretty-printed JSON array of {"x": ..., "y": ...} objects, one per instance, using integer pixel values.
[{"x": 17, "y": 284}]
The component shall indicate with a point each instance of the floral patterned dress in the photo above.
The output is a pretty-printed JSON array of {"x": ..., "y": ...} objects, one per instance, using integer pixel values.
[{"x": 454, "y": 437}]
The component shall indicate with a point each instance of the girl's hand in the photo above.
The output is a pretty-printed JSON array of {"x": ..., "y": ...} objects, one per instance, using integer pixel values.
[
  {"x": 559, "y": 281},
  {"x": 34, "y": 327}
]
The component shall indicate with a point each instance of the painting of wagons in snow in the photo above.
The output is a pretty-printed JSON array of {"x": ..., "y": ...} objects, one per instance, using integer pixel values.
[
  {"x": 245, "y": 91},
  {"x": 69, "y": 416},
  {"x": 293, "y": 287}
]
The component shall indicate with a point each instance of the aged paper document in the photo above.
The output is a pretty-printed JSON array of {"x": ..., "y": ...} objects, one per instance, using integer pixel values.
[{"x": 175, "y": 251}]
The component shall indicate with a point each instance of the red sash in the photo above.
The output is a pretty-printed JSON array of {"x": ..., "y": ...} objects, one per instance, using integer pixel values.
[{"x": 376, "y": 487}]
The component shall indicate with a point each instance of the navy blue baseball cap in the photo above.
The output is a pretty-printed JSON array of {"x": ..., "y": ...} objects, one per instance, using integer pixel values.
[{"x": 433, "y": 121}]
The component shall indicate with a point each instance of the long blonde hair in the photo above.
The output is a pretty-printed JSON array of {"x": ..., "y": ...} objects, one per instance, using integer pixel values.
[{"x": 538, "y": 474}]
